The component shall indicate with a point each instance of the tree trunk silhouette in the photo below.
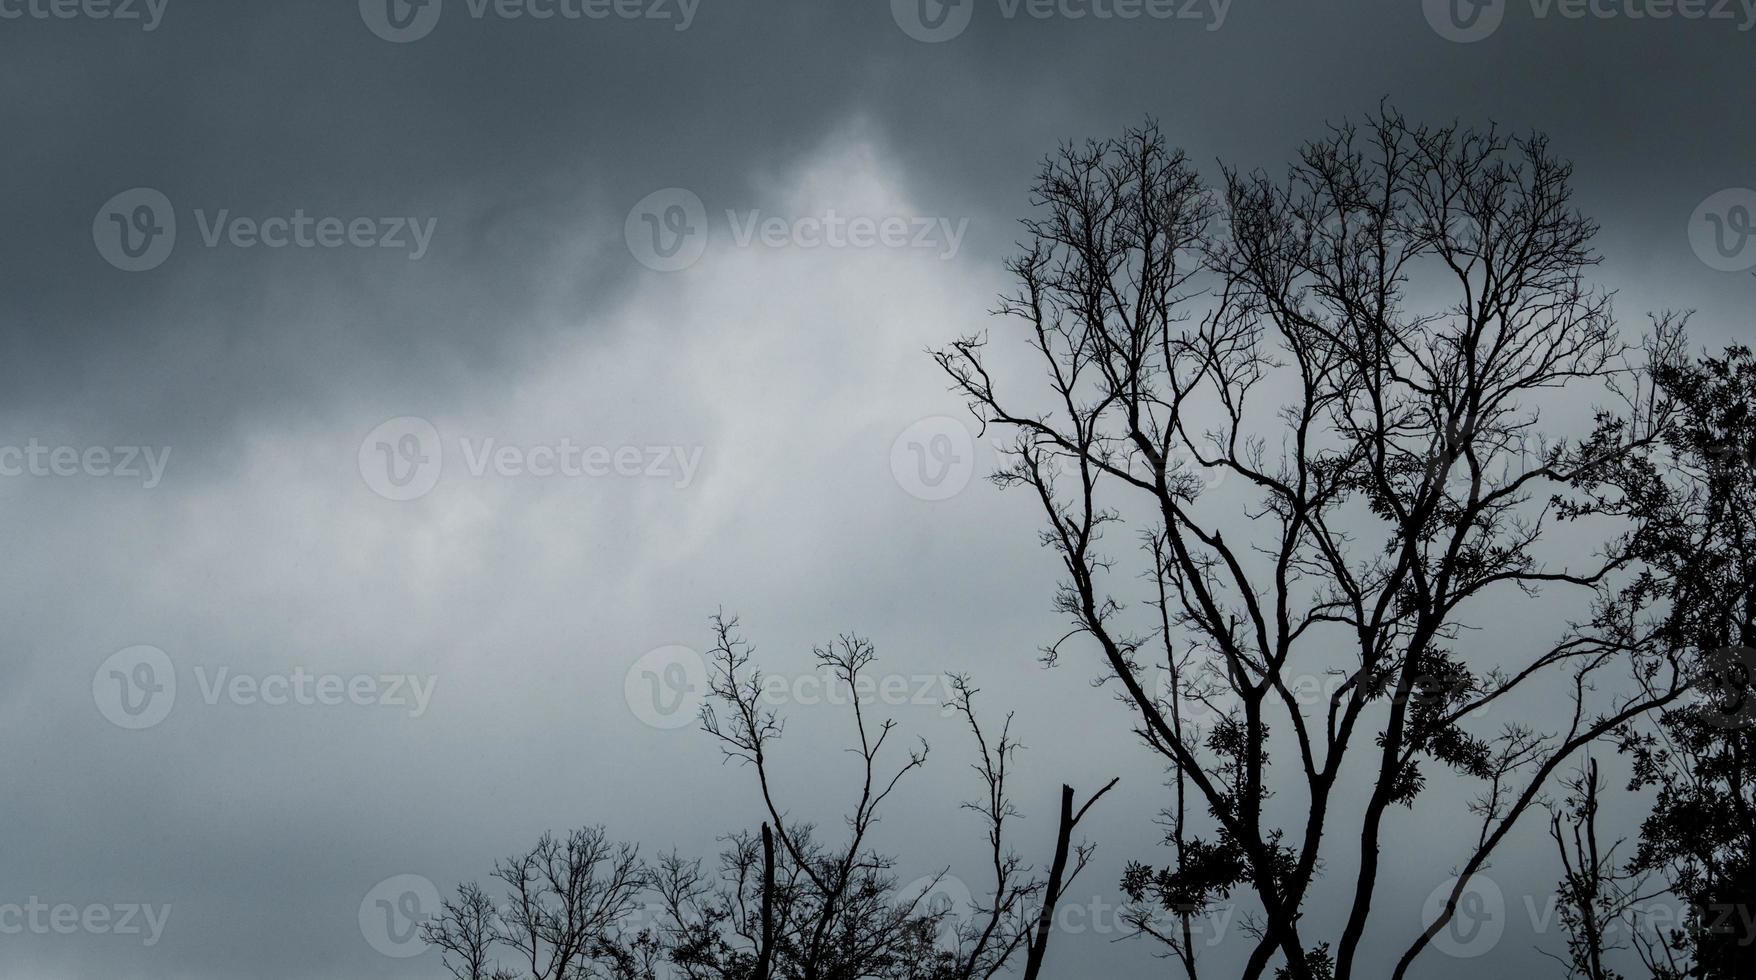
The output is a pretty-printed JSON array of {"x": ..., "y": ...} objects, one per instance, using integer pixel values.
[
  {"x": 1033, "y": 963},
  {"x": 765, "y": 957}
]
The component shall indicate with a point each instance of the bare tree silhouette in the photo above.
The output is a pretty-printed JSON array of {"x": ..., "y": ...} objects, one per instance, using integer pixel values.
[
  {"x": 784, "y": 904},
  {"x": 1361, "y": 352},
  {"x": 1598, "y": 898},
  {"x": 465, "y": 931},
  {"x": 566, "y": 902},
  {"x": 836, "y": 909}
]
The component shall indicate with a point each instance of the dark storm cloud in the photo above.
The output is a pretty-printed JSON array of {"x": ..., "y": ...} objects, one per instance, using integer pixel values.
[{"x": 516, "y": 134}]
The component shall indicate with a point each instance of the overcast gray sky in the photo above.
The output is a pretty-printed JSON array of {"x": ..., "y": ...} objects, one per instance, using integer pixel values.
[{"x": 472, "y": 259}]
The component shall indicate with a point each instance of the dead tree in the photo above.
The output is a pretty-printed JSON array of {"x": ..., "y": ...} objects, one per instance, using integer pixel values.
[
  {"x": 765, "y": 951},
  {"x": 1059, "y": 878},
  {"x": 1361, "y": 354},
  {"x": 1599, "y": 898},
  {"x": 567, "y": 899},
  {"x": 1011, "y": 894},
  {"x": 833, "y": 910},
  {"x": 465, "y": 932},
  {"x": 567, "y": 904}
]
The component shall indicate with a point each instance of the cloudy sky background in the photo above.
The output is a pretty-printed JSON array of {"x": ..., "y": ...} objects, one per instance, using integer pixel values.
[{"x": 528, "y": 600}]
